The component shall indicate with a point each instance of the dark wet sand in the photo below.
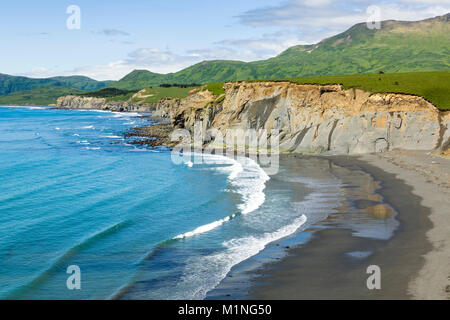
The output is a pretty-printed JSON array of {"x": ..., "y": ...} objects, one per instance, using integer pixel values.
[{"x": 323, "y": 269}]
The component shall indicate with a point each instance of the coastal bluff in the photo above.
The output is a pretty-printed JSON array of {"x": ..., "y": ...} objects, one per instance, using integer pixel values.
[
  {"x": 92, "y": 103},
  {"x": 317, "y": 118}
]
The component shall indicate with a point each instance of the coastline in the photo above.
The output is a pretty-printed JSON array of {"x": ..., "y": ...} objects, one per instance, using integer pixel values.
[
  {"x": 414, "y": 262},
  {"x": 423, "y": 272}
]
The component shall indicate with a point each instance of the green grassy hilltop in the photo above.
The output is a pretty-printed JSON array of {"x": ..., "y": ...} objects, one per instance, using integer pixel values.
[
  {"x": 433, "y": 86},
  {"x": 10, "y": 84},
  {"x": 39, "y": 96},
  {"x": 28, "y": 91}
]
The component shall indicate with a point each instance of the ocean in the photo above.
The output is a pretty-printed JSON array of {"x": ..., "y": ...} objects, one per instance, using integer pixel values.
[{"x": 75, "y": 192}]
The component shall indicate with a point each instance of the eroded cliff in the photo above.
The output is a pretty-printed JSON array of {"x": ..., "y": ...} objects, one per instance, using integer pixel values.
[
  {"x": 317, "y": 118},
  {"x": 91, "y": 103}
]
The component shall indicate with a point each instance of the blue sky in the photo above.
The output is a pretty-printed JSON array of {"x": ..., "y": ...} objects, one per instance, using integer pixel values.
[{"x": 168, "y": 35}]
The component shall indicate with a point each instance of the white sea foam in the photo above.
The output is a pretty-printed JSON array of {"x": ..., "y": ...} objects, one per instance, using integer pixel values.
[
  {"x": 84, "y": 142},
  {"x": 250, "y": 183},
  {"x": 125, "y": 114},
  {"x": 246, "y": 178},
  {"x": 111, "y": 137},
  {"x": 202, "y": 274},
  {"x": 205, "y": 228},
  {"x": 88, "y": 127},
  {"x": 136, "y": 149},
  {"x": 28, "y": 107}
]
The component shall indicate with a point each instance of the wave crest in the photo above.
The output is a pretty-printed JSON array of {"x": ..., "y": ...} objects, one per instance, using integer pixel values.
[{"x": 246, "y": 178}]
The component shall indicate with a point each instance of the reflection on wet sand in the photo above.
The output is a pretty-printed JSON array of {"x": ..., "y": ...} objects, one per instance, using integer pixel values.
[
  {"x": 381, "y": 211},
  {"x": 344, "y": 204}
]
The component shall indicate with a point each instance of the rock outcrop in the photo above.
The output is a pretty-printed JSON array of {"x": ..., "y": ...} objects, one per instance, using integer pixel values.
[
  {"x": 317, "y": 118},
  {"x": 91, "y": 103}
]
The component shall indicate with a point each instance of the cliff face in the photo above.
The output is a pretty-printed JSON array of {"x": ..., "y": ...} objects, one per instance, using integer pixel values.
[
  {"x": 318, "y": 118},
  {"x": 77, "y": 102}
]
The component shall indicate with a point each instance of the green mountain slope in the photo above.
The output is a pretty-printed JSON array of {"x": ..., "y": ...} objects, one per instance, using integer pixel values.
[
  {"x": 396, "y": 47},
  {"x": 38, "y": 96},
  {"x": 10, "y": 84}
]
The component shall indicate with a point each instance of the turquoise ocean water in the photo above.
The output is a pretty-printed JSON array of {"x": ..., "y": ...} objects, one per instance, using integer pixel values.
[{"x": 75, "y": 192}]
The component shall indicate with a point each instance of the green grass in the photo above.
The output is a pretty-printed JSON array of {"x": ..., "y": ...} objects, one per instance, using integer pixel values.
[
  {"x": 220, "y": 99},
  {"x": 433, "y": 86},
  {"x": 158, "y": 93},
  {"x": 122, "y": 97},
  {"x": 107, "y": 93},
  {"x": 39, "y": 96},
  {"x": 110, "y": 94},
  {"x": 10, "y": 84},
  {"x": 216, "y": 88}
]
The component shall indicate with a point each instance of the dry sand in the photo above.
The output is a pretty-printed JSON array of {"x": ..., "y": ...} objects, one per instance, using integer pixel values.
[{"x": 429, "y": 176}]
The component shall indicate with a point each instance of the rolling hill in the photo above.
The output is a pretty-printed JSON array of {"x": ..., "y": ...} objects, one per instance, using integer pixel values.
[
  {"x": 398, "y": 46},
  {"x": 10, "y": 84},
  {"x": 38, "y": 96}
]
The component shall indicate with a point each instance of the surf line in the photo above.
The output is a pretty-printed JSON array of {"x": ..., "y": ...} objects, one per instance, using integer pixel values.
[
  {"x": 207, "y": 227},
  {"x": 249, "y": 180}
]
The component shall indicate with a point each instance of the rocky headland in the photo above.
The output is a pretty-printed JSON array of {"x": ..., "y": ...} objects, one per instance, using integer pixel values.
[
  {"x": 92, "y": 103},
  {"x": 317, "y": 118}
]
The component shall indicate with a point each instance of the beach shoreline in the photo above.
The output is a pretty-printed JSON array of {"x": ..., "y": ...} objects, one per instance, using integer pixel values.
[
  {"x": 429, "y": 177},
  {"x": 414, "y": 262}
]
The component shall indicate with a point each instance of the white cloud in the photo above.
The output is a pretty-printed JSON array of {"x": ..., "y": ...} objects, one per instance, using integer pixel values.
[
  {"x": 151, "y": 59},
  {"x": 335, "y": 16},
  {"x": 113, "y": 33},
  {"x": 267, "y": 46},
  {"x": 296, "y": 21},
  {"x": 39, "y": 72},
  {"x": 110, "y": 71},
  {"x": 427, "y": 1}
]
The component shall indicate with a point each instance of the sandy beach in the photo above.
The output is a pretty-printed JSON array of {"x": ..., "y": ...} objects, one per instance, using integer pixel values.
[
  {"x": 414, "y": 261},
  {"x": 429, "y": 177}
]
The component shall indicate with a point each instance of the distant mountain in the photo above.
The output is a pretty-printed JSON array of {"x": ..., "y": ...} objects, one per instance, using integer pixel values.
[
  {"x": 38, "y": 96},
  {"x": 138, "y": 79},
  {"x": 397, "y": 47},
  {"x": 10, "y": 84}
]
